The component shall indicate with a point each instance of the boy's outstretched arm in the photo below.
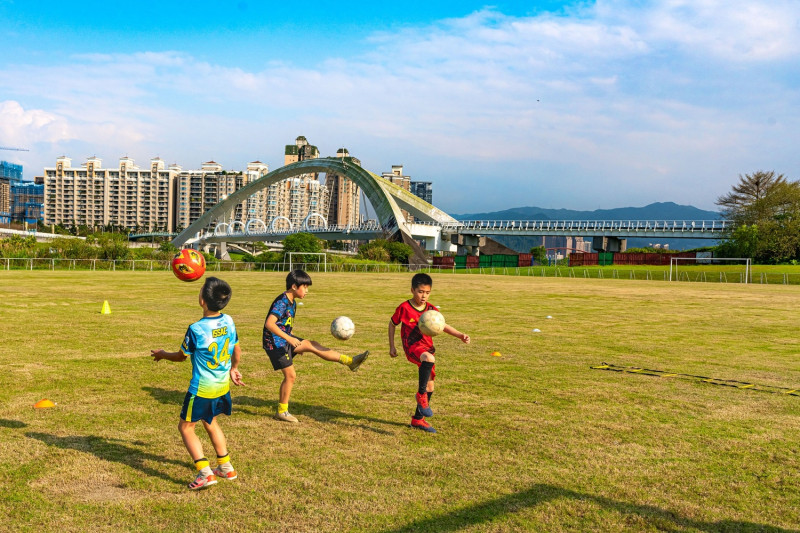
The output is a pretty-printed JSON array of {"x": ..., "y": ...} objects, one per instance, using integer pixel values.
[
  {"x": 236, "y": 376},
  {"x": 392, "y": 349},
  {"x": 158, "y": 355},
  {"x": 450, "y": 330}
]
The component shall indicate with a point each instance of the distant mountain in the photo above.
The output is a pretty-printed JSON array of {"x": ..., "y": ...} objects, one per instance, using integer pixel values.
[{"x": 656, "y": 211}]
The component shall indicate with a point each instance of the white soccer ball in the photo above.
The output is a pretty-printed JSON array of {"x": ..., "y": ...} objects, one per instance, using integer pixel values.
[
  {"x": 431, "y": 323},
  {"x": 342, "y": 328}
]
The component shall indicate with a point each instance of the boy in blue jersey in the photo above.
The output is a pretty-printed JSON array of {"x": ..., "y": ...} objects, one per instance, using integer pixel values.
[
  {"x": 213, "y": 347},
  {"x": 282, "y": 346}
]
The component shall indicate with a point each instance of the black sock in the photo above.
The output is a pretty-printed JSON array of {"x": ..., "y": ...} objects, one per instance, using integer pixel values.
[
  {"x": 430, "y": 393},
  {"x": 424, "y": 376},
  {"x": 418, "y": 415}
]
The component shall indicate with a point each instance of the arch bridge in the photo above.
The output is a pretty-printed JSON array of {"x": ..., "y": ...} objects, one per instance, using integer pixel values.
[{"x": 436, "y": 228}]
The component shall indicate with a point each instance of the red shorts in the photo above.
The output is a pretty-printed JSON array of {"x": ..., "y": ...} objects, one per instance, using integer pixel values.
[{"x": 416, "y": 360}]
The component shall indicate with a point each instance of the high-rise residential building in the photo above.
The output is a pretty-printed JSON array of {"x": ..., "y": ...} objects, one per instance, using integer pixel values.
[
  {"x": 397, "y": 177},
  {"x": 423, "y": 189},
  {"x": 258, "y": 202},
  {"x": 5, "y": 200},
  {"x": 343, "y": 203},
  {"x": 199, "y": 190},
  {"x": 126, "y": 196},
  {"x": 298, "y": 197}
]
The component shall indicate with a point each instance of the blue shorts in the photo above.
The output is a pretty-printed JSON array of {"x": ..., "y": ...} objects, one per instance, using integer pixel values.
[{"x": 196, "y": 408}]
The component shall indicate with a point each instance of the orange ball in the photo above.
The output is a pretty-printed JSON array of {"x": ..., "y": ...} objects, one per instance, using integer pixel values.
[{"x": 188, "y": 265}]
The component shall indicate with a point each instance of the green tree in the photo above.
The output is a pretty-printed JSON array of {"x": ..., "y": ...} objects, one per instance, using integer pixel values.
[
  {"x": 765, "y": 209},
  {"x": 302, "y": 242},
  {"x": 539, "y": 254}
]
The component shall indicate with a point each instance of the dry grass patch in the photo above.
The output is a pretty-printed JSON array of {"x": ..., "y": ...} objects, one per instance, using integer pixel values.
[{"x": 534, "y": 440}]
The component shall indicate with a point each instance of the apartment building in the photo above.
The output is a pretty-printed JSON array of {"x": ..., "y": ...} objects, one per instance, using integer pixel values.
[
  {"x": 126, "y": 196},
  {"x": 199, "y": 190},
  {"x": 298, "y": 197},
  {"x": 5, "y": 200},
  {"x": 344, "y": 205}
]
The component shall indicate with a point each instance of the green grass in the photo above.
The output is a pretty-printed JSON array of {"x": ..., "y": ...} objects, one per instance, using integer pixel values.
[{"x": 532, "y": 441}]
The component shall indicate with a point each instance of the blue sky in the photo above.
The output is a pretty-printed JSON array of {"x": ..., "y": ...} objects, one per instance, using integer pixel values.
[{"x": 580, "y": 105}]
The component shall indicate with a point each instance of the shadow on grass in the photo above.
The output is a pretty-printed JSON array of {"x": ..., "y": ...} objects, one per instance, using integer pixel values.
[
  {"x": 110, "y": 449},
  {"x": 540, "y": 493},
  {"x": 169, "y": 397},
  {"x": 318, "y": 413},
  {"x": 14, "y": 424}
]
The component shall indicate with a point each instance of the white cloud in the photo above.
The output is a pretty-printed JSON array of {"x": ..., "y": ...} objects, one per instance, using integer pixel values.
[
  {"x": 612, "y": 96},
  {"x": 20, "y": 127}
]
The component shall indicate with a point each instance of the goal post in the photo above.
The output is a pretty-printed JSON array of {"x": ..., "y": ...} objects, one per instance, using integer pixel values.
[
  {"x": 322, "y": 255},
  {"x": 746, "y": 260}
]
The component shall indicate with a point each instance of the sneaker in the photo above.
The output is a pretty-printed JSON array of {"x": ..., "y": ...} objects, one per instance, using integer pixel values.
[
  {"x": 201, "y": 482},
  {"x": 422, "y": 402},
  {"x": 286, "y": 417},
  {"x": 225, "y": 475},
  {"x": 357, "y": 360},
  {"x": 422, "y": 424}
]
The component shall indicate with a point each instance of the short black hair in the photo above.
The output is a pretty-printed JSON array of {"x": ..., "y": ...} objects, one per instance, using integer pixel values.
[
  {"x": 297, "y": 277},
  {"x": 421, "y": 279},
  {"x": 216, "y": 293}
]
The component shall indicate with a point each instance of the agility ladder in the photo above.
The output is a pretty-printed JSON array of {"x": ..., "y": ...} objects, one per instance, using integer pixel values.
[{"x": 714, "y": 381}]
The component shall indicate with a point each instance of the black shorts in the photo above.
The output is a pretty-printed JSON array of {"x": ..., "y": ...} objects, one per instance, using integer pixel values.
[{"x": 282, "y": 357}]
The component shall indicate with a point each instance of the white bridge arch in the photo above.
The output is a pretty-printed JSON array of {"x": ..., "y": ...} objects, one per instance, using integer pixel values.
[{"x": 386, "y": 198}]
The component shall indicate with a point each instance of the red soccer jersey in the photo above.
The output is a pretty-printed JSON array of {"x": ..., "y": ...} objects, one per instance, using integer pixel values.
[{"x": 414, "y": 341}]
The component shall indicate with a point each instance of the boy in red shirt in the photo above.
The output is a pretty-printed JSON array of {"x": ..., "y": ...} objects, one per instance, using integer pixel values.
[{"x": 417, "y": 346}]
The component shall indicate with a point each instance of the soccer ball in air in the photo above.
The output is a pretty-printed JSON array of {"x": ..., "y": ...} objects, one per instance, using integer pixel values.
[
  {"x": 188, "y": 265},
  {"x": 431, "y": 322},
  {"x": 342, "y": 328}
]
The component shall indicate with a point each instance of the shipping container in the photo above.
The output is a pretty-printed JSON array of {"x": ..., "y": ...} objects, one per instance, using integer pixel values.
[
  {"x": 447, "y": 261},
  {"x": 605, "y": 258},
  {"x": 460, "y": 261},
  {"x": 473, "y": 261},
  {"x": 582, "y": 259},
  {"x": 525, "y": 260},
  {"x": 485, "y": 260}
]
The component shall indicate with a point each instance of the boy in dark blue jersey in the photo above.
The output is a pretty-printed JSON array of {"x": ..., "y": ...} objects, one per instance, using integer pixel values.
[
  {"x": 282, "y": 346},
  {"x": 212, "y": 344}
]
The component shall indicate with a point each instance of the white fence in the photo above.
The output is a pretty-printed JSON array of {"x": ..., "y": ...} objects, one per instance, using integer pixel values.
[{"x": 137, "y": 265}]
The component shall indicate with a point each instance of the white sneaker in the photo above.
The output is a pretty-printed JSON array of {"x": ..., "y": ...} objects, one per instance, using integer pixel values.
[{"x": 286, "y": 417}]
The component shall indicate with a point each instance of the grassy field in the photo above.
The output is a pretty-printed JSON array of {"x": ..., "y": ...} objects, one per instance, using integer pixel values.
[{"x": 534, "y": 440}]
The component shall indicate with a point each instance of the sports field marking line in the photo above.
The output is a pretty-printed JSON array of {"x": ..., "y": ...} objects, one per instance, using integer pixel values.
[{"x": 713, "y": 381}]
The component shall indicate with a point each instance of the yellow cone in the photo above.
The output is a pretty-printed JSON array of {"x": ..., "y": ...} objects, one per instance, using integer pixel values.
[
  {"x": 496, "y": 354},
  {"x": 41, "y": 404},
  {"x": 106, "y": 310}
]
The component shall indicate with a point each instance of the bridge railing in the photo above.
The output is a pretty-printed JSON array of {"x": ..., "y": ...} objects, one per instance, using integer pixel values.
[{"x": 703, "y": 226}]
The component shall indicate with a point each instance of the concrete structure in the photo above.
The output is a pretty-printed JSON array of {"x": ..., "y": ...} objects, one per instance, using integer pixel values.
[
  {"x": 343, "y": 205},
  {"x": 126, "y": 196},
  {"x": 388, "y": 199}
]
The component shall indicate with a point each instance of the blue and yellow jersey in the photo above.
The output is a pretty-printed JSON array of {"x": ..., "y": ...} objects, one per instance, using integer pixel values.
[
  {"x": 209, "y": 344},
  {"x": 284, "y": 310}
]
